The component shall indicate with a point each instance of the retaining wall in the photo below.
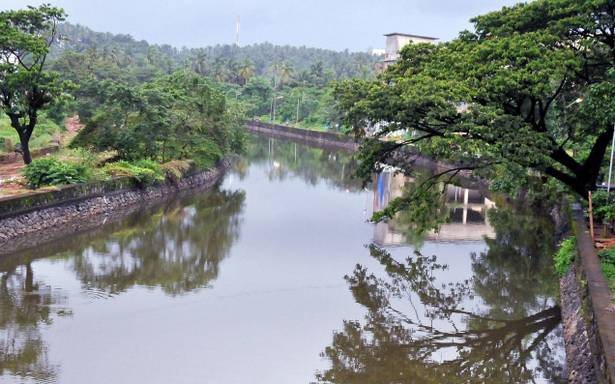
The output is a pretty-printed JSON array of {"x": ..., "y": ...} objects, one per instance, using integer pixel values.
[
  {"x": 330, "y": 138},
  {"x": 44, "y": 213}
]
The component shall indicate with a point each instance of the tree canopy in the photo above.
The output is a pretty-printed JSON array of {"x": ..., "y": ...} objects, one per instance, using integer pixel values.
[
  {"x": 525, "y": 96},
  {"x": 179, "y": 116}
]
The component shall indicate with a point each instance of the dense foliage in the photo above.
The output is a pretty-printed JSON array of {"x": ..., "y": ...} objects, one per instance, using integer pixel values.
[
  {"x": 523, "y": 99},
  {"x": 143, "y": 171},
  {"x": 179, "y": 116}
]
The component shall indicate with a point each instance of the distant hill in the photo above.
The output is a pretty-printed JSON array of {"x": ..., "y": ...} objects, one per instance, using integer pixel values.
[{"x": 220, "y": 58}]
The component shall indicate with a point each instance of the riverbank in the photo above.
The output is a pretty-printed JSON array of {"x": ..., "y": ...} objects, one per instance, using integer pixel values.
[{"x": 49, "y": 213}]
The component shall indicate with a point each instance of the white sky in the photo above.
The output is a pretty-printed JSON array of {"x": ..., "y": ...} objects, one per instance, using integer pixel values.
[{"x": 334, "y": 24}]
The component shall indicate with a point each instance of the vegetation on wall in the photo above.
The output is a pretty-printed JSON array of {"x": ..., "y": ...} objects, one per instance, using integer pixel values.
[{"x": 565, "y": 256}]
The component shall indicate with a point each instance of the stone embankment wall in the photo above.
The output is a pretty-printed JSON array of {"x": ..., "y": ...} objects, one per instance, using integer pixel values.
[
  {"x": 588, "y": 314},
  {"x": 329, "y": 138},
  {"x": 44, "y": 213}
]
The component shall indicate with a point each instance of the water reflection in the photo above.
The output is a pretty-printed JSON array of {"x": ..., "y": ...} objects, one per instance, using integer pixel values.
[
  {"x": 488, "y": 317},
  {"x": 461, "y": 217},
  {"x": 178, "y": 249},
  {"x": 499, "y": 326},
  {"x": 26, "y": 303},
  {"x": 309, "y": 162}
]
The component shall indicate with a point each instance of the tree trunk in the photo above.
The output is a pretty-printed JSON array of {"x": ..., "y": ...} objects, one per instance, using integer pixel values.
[
  {"x": 25, "y": 150},
  {"x": 29, "y": 283}
]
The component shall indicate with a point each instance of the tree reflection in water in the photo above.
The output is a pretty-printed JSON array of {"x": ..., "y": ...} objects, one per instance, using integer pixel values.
[
  {"x": 501, "y": 326},
  {"x": 26, "y": 304},
  {"x": 178, "y": 249},
  {"x": 311, "y": 163}
]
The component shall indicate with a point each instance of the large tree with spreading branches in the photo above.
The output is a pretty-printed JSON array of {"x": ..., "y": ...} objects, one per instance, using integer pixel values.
[{"x": 527, "y": 94}]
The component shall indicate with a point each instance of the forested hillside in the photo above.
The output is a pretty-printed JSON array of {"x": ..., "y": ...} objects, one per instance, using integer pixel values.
[
  {"x": 221, "y": 61},
  {"x": 290, "y": 84}
]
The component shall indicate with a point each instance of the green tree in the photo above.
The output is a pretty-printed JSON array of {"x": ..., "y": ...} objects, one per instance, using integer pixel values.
[
  {"x": 526, "y": 93},
  {"x": 246, "y": 72},
  {"x": 25, "y": 86},
  {"x": 180, "y": 116}
]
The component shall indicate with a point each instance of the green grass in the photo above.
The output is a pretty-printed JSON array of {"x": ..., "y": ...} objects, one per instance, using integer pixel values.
[
  {"x": 565, "y": 255},
  {"x": 607, "y": 264},
  {"x": 43, "y": 135}
]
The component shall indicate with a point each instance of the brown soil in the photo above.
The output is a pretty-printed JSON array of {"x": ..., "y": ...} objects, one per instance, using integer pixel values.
[{"x": 13, "y": 169}]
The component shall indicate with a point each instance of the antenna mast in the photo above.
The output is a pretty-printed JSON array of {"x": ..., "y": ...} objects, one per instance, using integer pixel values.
[{"x": 238, "y": 30}]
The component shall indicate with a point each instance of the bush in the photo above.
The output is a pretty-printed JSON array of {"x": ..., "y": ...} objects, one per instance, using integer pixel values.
[
  {"x": 176, "y": 169},
  {"x": 144, "y": 171},
  {"x": 51, "y": 171},
  {"x": 565, "y": 256}
]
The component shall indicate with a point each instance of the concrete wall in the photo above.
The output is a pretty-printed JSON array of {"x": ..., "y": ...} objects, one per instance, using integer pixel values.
[{"x": 588, "y": 313}]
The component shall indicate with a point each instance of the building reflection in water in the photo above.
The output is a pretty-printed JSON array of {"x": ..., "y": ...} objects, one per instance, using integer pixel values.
[{"x": 467, "y": 217}]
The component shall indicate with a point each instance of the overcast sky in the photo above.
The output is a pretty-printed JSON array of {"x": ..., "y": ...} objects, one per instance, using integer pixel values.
[{"x": 334, "y": 24}]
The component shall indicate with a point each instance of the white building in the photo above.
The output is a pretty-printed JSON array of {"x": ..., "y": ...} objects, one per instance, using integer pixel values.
[{"x": 396, "y": 41}]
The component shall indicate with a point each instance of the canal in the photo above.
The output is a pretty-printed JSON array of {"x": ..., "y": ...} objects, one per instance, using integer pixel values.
[{"x": 275, "y": 276}]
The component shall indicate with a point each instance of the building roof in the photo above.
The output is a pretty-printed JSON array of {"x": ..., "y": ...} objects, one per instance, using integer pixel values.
[{"x": 408, "y": 35}]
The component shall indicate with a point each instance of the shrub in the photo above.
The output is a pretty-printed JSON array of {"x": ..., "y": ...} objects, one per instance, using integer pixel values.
[
  {"x": 176, "y": 169},
  {"x": 52, "y": 171},
  {"x": 143, "y": 171},
  {"x": 565, "y": 256}
]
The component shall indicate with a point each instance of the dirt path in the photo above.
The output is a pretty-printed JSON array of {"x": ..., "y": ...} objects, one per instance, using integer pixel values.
[{"x": 13, "y": 169}]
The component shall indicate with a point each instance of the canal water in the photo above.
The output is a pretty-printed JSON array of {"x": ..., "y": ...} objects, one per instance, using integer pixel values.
[{"x": 275, "y": 276}]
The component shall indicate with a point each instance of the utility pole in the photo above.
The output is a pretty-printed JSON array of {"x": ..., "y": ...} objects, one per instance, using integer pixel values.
[
  {"x": 299, "y": 100},
  {"x": 273, "y": 102}
]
